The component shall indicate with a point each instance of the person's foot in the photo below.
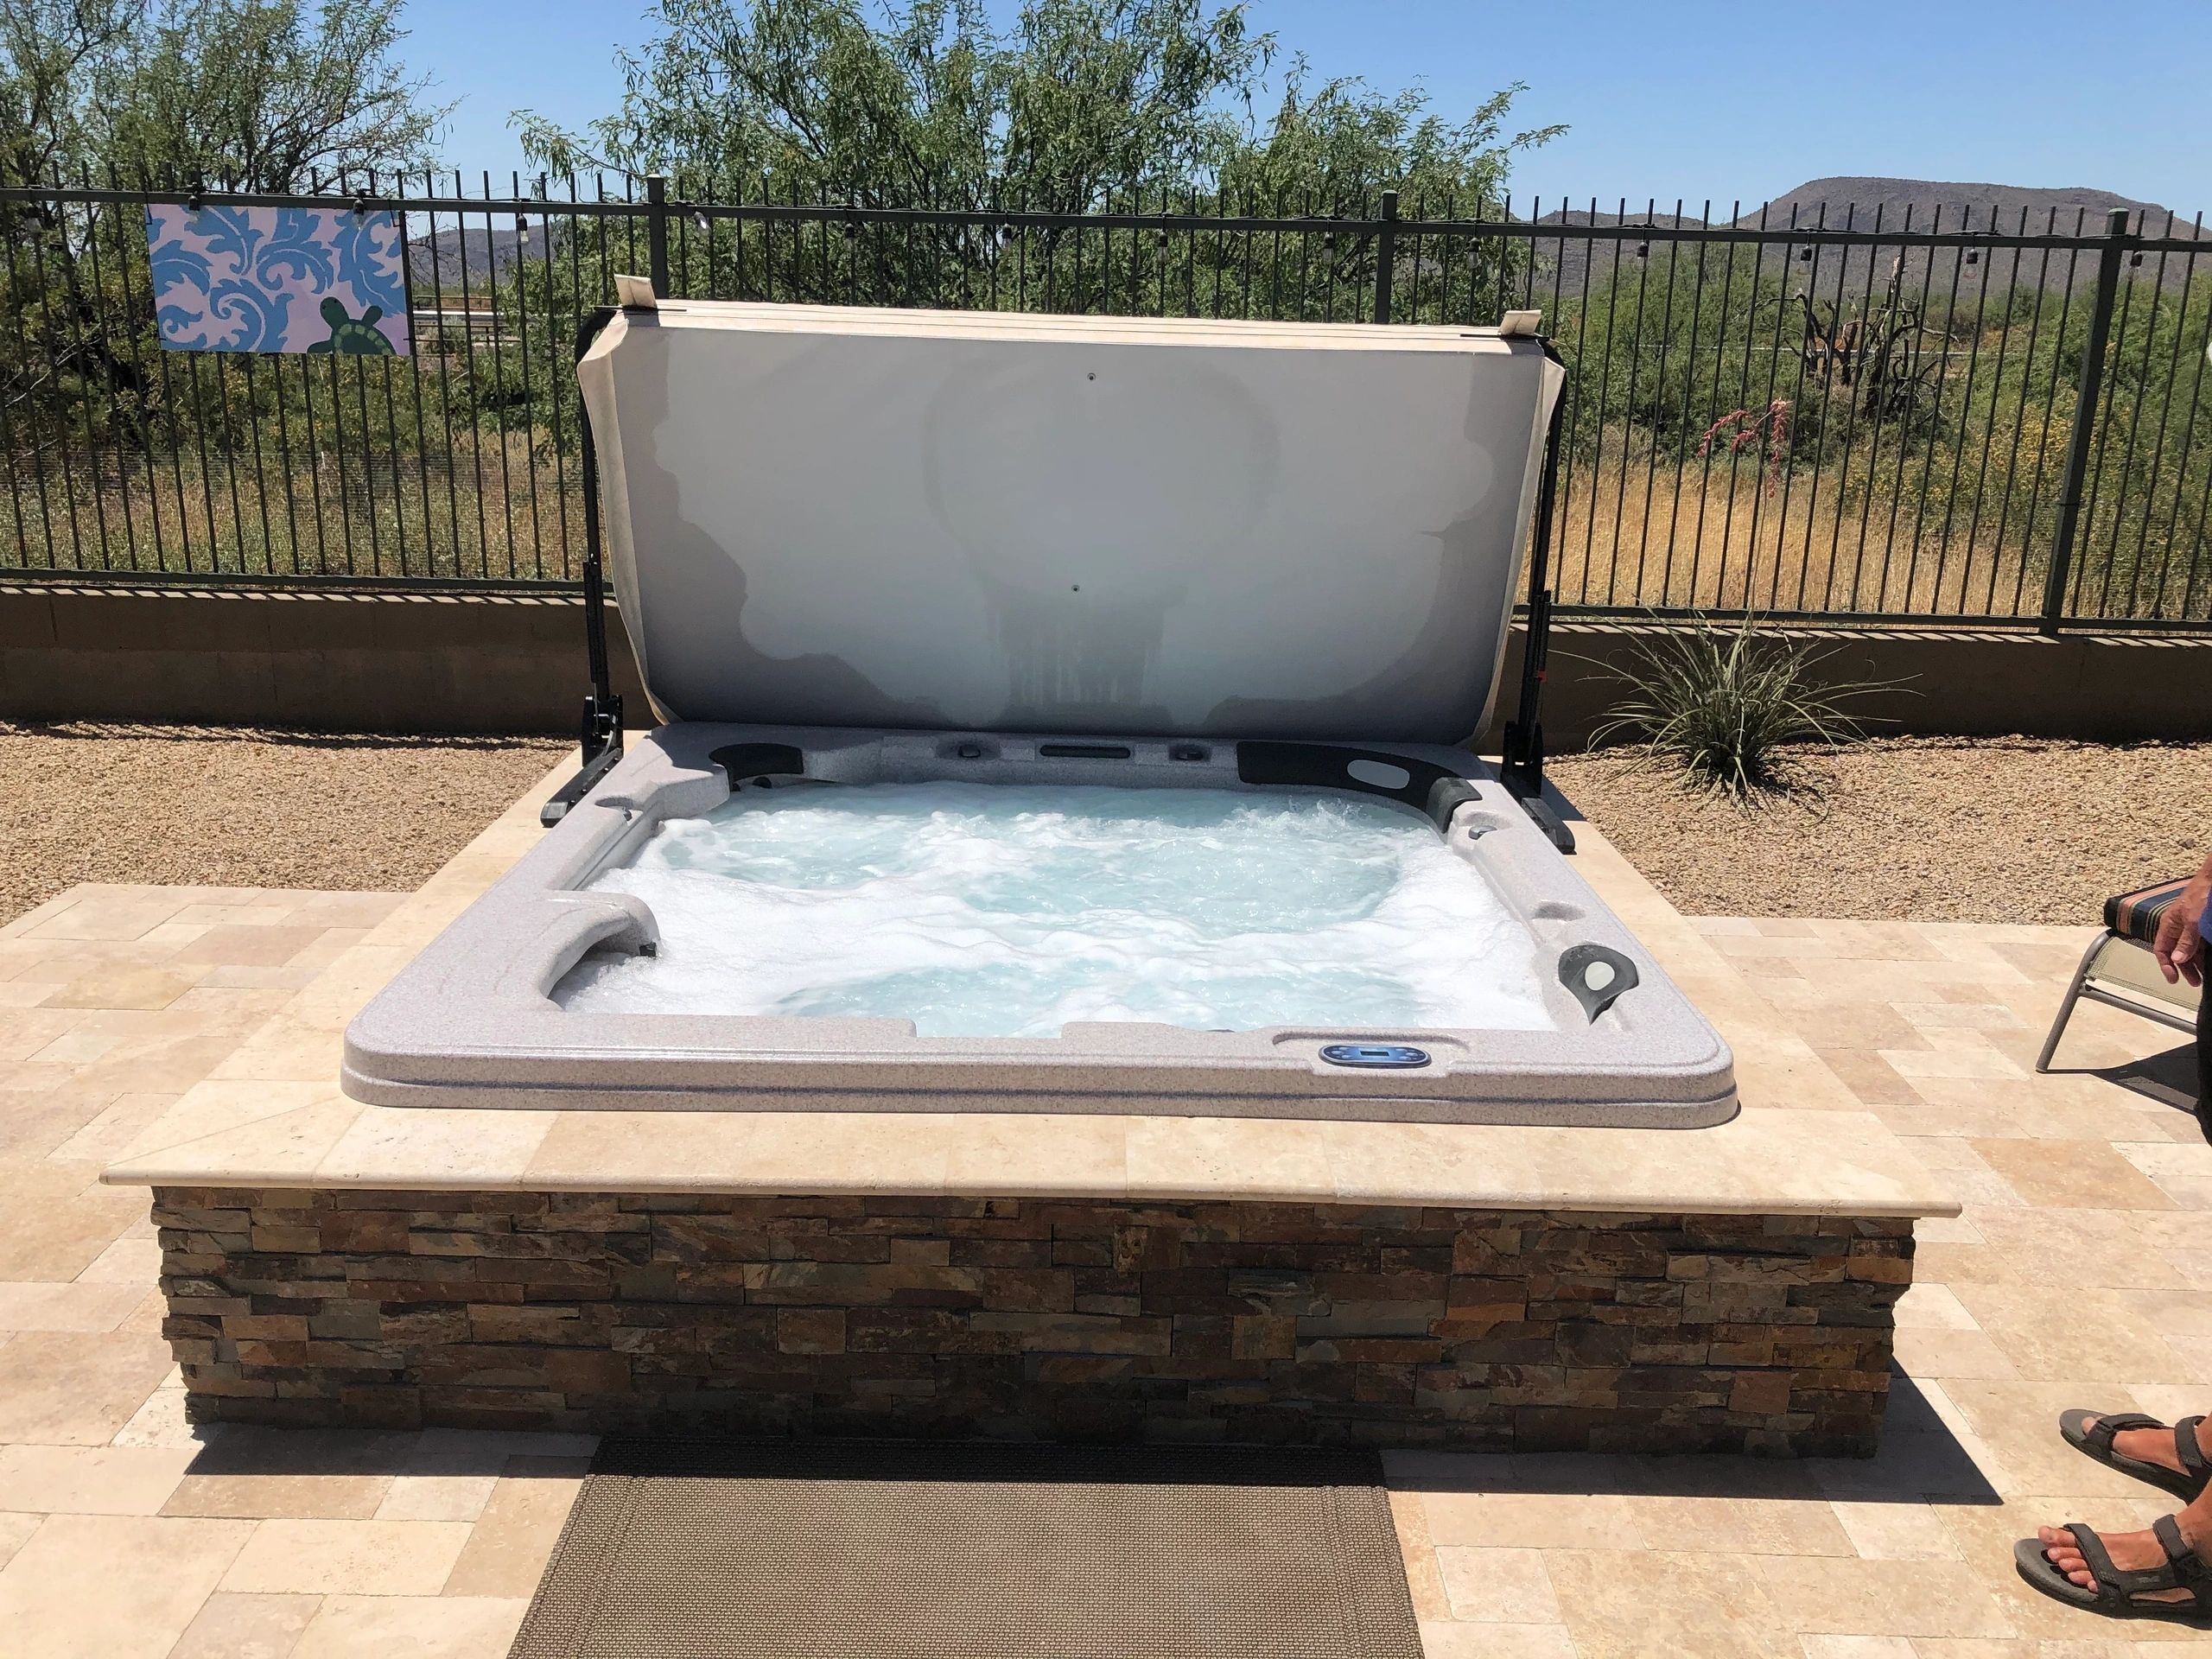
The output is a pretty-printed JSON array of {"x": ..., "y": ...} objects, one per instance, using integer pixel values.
[
  {"x": 2131, "y": 1552},
  {"x": 2155, "y": 1445}
]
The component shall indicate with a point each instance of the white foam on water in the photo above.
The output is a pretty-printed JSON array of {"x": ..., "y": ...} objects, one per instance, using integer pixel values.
[{"x": 979, "y": 909}]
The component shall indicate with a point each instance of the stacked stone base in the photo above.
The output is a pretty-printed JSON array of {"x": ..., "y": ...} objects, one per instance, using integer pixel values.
[{"x": 1032, "y": 1319}]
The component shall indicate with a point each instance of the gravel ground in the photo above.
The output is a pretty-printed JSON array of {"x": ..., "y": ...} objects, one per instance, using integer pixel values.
[
  {"x": 1985, "y": 829},
  {"x": 230, "y": 808}
]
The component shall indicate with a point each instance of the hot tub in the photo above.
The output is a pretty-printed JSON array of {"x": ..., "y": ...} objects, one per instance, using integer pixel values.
[{"x": 899, "y": 561}]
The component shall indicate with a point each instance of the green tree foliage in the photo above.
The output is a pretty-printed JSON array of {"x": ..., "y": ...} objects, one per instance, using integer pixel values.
[
  {"x": 260, "y": 94},
  {"x": 1127, "y": 106},
  {"x": 1079, "y": 105}
]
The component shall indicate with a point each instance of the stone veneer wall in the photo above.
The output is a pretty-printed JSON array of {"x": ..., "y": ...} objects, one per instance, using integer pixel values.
[{"x": 1032, "y": 1318}]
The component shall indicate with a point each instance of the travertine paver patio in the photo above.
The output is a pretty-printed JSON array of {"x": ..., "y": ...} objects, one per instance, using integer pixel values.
[{"x": 2074, "y": 1276}]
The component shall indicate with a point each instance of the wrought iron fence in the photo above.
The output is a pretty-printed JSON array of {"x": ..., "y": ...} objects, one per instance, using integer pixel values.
[{"x": 1838, "y": 416}]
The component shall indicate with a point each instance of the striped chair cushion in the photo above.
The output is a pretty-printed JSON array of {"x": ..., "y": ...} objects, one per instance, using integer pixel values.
[{"x": 2135, "y": 915}]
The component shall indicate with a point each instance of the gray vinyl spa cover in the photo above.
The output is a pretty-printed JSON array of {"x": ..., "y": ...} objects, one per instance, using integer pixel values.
[{"x": 834, "y": 516}]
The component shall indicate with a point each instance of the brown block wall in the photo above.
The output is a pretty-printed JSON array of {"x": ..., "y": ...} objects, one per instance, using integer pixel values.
[{"x": 1030, "y": 1318}]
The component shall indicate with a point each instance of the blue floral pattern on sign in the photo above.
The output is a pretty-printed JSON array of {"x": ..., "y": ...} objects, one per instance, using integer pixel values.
[{"x": 278, "y": 279}]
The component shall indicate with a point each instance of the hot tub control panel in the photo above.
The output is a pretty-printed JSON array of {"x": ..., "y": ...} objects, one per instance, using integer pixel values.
[{"x": 1389, "y": 1056}]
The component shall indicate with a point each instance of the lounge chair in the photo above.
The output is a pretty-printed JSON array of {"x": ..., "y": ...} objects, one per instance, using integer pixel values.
[{"x": 2119, "y": 970}]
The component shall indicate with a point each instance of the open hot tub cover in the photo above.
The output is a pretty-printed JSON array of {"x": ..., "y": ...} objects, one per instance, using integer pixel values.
[{"x": 836, "y": 516}]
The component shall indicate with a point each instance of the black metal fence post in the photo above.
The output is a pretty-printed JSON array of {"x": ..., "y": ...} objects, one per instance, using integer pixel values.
[
  {"x": 2085, "y": 419},
  {"x": 1386, "y": 256},
  {"x": 657, "y": 233}
]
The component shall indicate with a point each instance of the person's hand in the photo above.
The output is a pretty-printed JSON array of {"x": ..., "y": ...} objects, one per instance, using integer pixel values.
[{"x": 2179, "y": 947}]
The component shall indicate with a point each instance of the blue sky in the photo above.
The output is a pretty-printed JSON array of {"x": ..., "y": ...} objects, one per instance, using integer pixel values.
[{"x": 1670, "y": 98}]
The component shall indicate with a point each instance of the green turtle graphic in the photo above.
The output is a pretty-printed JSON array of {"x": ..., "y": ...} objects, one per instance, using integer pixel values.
[{"x": 352, "y": 336}]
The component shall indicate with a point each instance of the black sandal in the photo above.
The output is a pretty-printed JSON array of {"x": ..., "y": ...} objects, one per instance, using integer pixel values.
[
  {"x": 2095, "y": 1441},
  {"x": 2117, "y": 1591}
]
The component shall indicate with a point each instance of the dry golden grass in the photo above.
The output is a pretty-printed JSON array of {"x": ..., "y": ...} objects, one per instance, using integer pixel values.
[{"x": 1635, "y": 533}]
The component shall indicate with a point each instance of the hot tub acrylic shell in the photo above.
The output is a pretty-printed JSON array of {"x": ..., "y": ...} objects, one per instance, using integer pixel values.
[
  {"x": 868, "y": 545},
  {"x": 472, "y": 1021}
]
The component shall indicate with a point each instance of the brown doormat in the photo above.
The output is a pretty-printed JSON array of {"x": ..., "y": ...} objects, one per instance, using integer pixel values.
[{"x": 681, "y": 1549}]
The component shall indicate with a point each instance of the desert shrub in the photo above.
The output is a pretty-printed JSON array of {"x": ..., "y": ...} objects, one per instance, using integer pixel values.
[{"x": 1725, "y": 705}]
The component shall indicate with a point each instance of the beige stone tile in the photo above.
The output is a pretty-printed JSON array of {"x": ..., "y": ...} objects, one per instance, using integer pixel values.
[
  {"x": 1855, "y": 1647},
  {"x": 1424, "y": 1583},
  {"x": 2182, "y": 1171},
  {"x": 235, "y": 915},
  {"x": 358, "y": 1558},
  {"x": 127, "y": 913},
  {"x": 2093, "y": 1249},
  {"x": 282, "y": 1498},
  {"x": 1073, "y": 1156},
  {"x": 232, "y": 1626},
  {"x": 1617, "y": 1604},
  {"x": 1282, "y": 1160},
  {"x": 1884, "y": 1598},
  {"x": 1449, "y": 1640},
  {"x": 161, "y": 1421},
  {"x": 80, "y": 1306},
  {"x": 1971, "y": 1647},
  {"x": 1569, "y": 1473},
  {"x": 284, "y": 1049},
  {"x": 436, "y": 1497},
  {"x": 1953, "y": 1354},
  {"x": 513, "y": 1538},
  {"x": 1984, "y": 1062},
  {"x": 89, "y": 1480},
  {"x": 435, "y": 1147},
  {"x": 433, "y": 1627},
  {"x": 1963, "y": 1171},
  {"x": 1945, "y": 1229},
  {"x": 2019, "y": 1422},
  {"x": 64, "y": 1388},
  {"x": 1981, "y": 1016},
  {"x": 248, "y": 945},
  {"x": 107, "y": 1586},
  {"x": 136, "y": 1262},
  {"x": 1857, "y": 1024},
  {"x": 114, "y": 1128},
  {"x": 2094, "y": 1336},
  {"x": 1896, "y": 1532},
  {"x": 490, "y": 1451},
  {"x": 122, "y": 988},
  {"x": 217, "y": 1104},
  {"x": 1497, "y": 1586},
  {"x": 1870, "y": 1078},
  {"x": 1531, "y": 1520},
  {"x": 16, "y": 1531},
  {"x": 1742, "y": 1526},
  {"x": 1927, "y": 1307},
  {"x": 2072, "y": 1174}
]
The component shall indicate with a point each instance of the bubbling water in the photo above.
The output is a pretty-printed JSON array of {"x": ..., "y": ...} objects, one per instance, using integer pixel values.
[{"x": 978, "y": 910}]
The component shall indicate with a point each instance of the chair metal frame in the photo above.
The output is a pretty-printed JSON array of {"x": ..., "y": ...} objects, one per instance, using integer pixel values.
[{"x": 2131, "y": 1001}]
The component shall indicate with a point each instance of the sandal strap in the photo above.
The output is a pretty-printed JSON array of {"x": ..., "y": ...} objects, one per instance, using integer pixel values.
[
  {"x": 2125, "y": 1582},
  {"x": 2186, "y": 1448},
  {"x": 2100, "y": 1433},
  {"x": 2191, "y": 1574},
  {"x": 2116, "y": 1586}
]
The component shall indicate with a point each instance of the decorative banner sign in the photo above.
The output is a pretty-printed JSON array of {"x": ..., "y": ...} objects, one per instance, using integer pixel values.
[{"x": 278, "y": 279}]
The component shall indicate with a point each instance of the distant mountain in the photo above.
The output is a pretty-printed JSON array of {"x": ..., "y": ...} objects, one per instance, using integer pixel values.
[
  {"x": 1862, "y": 204},
  {"x": 1935, "y": 205},
  {"x": 438, "y": 262}
]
